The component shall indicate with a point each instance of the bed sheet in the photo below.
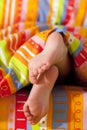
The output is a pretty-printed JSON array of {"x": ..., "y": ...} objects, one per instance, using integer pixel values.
[{"x": 67, "y": 110}]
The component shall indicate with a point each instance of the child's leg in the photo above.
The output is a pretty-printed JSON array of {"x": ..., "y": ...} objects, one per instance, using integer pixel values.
[
  {"x": 37, "y": 104},
  {"x": 14, "y": 75},
  {"x": 54, "y": 53}
]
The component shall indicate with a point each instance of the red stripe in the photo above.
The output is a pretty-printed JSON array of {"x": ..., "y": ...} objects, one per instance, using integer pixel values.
[
  {"x": 20, "y": 120},
  {"x": 34, "y": 45},
  {"x": 81, "y": 58},
  {"x": 4, "y": 88},
  {"x": 69, "y": 11},
  {"x": 1, "y": 75}
]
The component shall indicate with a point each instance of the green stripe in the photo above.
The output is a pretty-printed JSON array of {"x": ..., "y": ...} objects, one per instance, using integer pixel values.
[
  {"x": 18, "y": 66},
  {"x": 60, "y": 11},
  {"x": 74, "y": 45},
  {"x": 5, "y": 52},
  {"x": 36, "y": 127}
]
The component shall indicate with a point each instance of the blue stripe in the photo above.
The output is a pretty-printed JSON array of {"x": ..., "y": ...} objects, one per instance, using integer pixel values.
[
  {"x": 43, "y": 10},
  {"x": 85, "y": 22},
  {"x": 60, "y": 29},
  {"x": 64, "y": 10},
  {"x": 59, "y": 95},
  {"x": 29, "y": 126},
  {"x": 42, "y": 26},
  {"x": 15, "y": 79}
]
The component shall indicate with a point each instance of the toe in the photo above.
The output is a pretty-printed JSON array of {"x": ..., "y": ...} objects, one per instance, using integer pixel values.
[
  {"x": 32, "y": 77},
  {"x": 43, "y": 68}
]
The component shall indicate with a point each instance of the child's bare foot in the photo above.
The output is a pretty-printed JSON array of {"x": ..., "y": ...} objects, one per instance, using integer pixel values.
[
  {"x": 53, "y": 51},
  {"x": 37, "y": 104}
]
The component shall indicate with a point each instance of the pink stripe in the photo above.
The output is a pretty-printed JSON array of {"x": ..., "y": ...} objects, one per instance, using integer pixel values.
[
  {"x": 38, "y": 40},
  {"x": 21, "y": 26},
  {"x": 11, "y": 114},
  {"x": 27, "y": 32},
  {"x": 24, "y": 9},
  {"x": 85, "y": 110}
]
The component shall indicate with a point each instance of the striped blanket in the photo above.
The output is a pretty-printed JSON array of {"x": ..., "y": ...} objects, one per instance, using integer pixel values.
[{"x": 24, "y": 28}]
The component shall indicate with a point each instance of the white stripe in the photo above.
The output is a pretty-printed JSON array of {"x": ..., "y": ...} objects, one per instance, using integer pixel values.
[
  {"x": 43, "y": 126},
  {"x": 20, "y": 129},
  {"x": 3, "y": 57},
  {"x": 27, "y": 34},
  {"x": 24, "y": 9},
  {"x": 20, "y": 53},
  {"x": 55, "y": 10},
  {"x": 20, "y": 110},
  {"x": 11, "y": 106},
  {"x": 6, "y": 12},
  {"x": 11, "y": 42},
  {"x": 20, "y": 119},
  {"x": 29, "y": 52},
  {"x": 12, "y": 11},
  {"x": 16, "y": 42},
  {"x": 21, "y": 102},
  {"x": 9, "y": 30},
  {"x": 39, "y": 41},
  {"x": 21, "y": 26}
]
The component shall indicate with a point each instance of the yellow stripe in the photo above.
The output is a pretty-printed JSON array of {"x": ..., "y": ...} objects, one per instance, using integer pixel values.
[
  {"x": 32, "y": 10},
  {"x": 81, "y": 13},
  {"x": 49, "y": 115},
  {"x": 36, "y": 127},
  {"x": 4, "y": 113},
  {"x": 50, "y": 12},
  {"x": 83, "y": 32},
  {"x": 2, "y": 5},
  {"x": 75, "y": 111}
]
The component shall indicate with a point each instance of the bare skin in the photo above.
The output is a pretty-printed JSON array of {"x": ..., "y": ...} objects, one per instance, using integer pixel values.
[
  {"x": 44, "y": 69},
  {"x": 37, "y": 104},
  {"x": 55, "y": 53}
]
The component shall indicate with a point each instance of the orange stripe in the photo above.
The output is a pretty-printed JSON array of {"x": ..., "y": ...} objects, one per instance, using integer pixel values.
[
  {"x": 21, "y": 59},
  {"x": 81, "y": 13},
  {"x": 0, "y": 35},
  {"x": 33, "y": 49},
  {"x": 8, "y": 45},
  {"x": 32, "y": 10},
  {"x": 3, "y": 71},
  {"x": 9, "y": 13},
  {"x": 25, "y": 53},
  {"x": 50, "y": 12},
  {"x": 15, "y": 12},
  {"x": 49, "y": 115},
  {"x": 3, "y": 12},
  {"x": 83, "y": 32},
  {"x": 75, "y": 108},
  {"x": 34, "y": 30},
  {"x": 10, "y": 82},
  {"x": 4, "y": 104},
  {"x": 28, "y": 24},
  {"x": 44, "y": 34},
  {"x": 69, "y": 110}
]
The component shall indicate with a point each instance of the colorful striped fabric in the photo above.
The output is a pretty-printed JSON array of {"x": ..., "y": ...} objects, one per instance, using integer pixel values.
[
  {"x": 65, "y": 12},
  {"x": 24, "y": 28},
  {"x": 67, "y": 110}
]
